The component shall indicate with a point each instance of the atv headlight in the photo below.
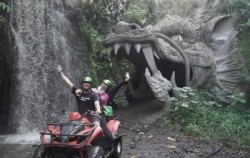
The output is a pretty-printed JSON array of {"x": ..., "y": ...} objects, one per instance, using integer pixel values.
[{"x": 47, "y": 138}]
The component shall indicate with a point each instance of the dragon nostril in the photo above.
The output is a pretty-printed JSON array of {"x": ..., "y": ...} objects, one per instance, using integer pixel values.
[
  {"x": 133, "y": 27},
  {"x": 113, "y": 30}
]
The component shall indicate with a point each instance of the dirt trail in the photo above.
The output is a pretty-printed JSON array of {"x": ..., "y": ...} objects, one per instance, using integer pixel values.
[{"x": 150, "y": 140}]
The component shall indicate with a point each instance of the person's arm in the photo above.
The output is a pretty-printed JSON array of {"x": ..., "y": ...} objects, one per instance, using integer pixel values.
[
  {"x": 66, "y": 80},
  {"x": 113, "y": 90},
  {"x": 98, "y": 107},
  {"x": 96, "y": 103}
]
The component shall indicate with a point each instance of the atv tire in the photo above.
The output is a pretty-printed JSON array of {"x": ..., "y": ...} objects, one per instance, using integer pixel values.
[
  {"x": 118, "y": 150},
  {"x": 40, "y": 152},
  {"x": 96, "y": 152}
]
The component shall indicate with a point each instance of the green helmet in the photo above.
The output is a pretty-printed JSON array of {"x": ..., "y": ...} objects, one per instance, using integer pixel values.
[
  {"x": 87, "y": 79},
  {"x": 107, "y": 82}
]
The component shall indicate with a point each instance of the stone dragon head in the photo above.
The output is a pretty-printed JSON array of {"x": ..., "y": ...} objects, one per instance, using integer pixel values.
[{"x": 198, "y": 51}]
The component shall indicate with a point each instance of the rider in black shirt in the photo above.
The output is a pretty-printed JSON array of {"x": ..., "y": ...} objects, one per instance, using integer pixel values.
[
  {"x": 87, "y": 101},
  {"x": 89, "y": 105}
]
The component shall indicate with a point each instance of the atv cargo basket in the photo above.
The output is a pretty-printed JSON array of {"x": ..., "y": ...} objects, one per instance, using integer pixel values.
[{"x": 70, "y": 134}]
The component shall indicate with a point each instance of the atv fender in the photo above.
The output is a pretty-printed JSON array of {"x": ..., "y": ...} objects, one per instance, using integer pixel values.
[{"x": 113, "y": 125}]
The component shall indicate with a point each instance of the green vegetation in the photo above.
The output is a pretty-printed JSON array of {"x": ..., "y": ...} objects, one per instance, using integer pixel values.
[
  {"x": 244, "y": 46},
  {"x": 138, "y": 13},
  {"x": 201, "y": 114},
  {"x": 96, "y": 22},
  {"x": 241, "y": 8},
  {"x": 5, "y": 8},
  {"x": 98, "y": 56}
]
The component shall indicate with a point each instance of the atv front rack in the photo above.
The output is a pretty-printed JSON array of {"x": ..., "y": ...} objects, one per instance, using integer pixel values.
[{"x": 54, "y": 136}]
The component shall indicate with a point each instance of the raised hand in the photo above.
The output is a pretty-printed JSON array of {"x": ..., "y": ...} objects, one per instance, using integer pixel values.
[
  {"x": 127, "y": 76},
  {"x": 98, "y": 112},
  {"x": 59, "y": 68}
]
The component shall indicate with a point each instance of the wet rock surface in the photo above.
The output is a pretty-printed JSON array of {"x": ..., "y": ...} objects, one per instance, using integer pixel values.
[{"x": 151, "y": 140}]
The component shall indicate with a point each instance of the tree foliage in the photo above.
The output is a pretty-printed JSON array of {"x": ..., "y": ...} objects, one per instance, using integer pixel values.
[
  {"x": 4, "y": 8},
  {"x": 97, "y": 18},
  {"x": 242, "y": 9}
]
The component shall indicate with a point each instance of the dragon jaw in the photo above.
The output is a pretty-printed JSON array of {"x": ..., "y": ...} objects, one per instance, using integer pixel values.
[{"x": 153, "y": 71}]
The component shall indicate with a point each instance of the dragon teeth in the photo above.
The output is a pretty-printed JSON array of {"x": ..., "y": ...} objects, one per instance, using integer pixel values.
[
  {"x": 117, "y": 46},
  {"x": 127, "y": 48},
  {"x": 110, "y": 50},
  {"x": 138, "y": 47}
]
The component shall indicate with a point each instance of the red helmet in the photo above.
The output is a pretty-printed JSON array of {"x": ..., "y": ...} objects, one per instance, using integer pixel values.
[{"x": 74, "y": 116}]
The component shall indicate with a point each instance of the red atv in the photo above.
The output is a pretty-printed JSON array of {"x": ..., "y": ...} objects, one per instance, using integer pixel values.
[{"x": 77, "y": 138}]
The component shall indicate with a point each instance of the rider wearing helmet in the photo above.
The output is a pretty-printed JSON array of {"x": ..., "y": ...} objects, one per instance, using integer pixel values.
[
  {"x": 85, "y": 81},
  {"x": 87, "y": 101},
  {"x": 107, "y": 82},
  {"x": 106, "y": 92},
  {"x": 110, "y": 90}
]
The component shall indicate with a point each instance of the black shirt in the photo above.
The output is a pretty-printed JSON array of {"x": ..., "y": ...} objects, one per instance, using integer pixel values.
[{"x": 85, "y": 101}]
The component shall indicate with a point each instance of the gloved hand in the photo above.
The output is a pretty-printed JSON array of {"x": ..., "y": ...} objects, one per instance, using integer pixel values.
[
  {"x": 78, "y": 92},
  {"x": 127, "y": 77}
]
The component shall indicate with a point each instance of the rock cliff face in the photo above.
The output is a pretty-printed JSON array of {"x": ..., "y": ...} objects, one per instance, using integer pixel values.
[{"x": 38, "y": 36}]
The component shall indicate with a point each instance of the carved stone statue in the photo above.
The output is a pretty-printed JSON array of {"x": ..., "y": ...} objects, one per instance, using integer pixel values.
[{"x": 197, "y": 50}]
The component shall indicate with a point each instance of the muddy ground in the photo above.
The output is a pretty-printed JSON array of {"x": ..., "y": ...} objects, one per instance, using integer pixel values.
[{"x": 146, "y": 139}]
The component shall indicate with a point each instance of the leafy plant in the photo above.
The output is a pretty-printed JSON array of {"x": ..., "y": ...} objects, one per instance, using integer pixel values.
[
  {"x": 98, "y": 56},
  {"x": 5, "y": 7},
  {"x": 242, "y": 9},
  {"x": 199, "y": 114},
  {"x": 2, "y": 20},
  {"x": 191, "y": 97},
  {"x": 135, "y": 14},
  {"x": 127, "y": 66},
  {"x": 238, "y": 98},
  {"x": 97, "y": 17}
]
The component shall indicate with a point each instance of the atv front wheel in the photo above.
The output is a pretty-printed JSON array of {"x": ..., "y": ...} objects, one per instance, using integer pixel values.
[
  {"x": 96, "y": 152},
  {"x": 40, "y": 152},
  {"x": 118, "y": 150}
]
